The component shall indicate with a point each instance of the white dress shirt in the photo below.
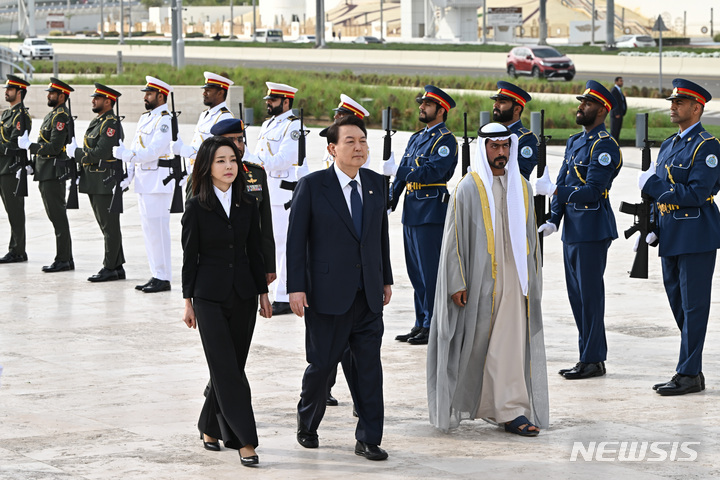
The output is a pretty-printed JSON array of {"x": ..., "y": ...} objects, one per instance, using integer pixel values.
[
  {"x": 225, "y": 198},
  {"x": 345, "y": 185}
]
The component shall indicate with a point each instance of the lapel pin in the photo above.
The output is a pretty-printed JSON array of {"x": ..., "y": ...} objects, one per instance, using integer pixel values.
[{"x": 370, "y": 192}]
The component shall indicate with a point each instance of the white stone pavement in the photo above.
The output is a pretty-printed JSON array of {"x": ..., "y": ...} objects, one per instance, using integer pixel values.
[{"x": 104, "y": 382}]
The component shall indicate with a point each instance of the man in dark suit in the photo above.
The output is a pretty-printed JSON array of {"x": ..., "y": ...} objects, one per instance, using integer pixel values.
[
  {"x": 339, "y": 276},
  {"x": 619, "y": 110}
]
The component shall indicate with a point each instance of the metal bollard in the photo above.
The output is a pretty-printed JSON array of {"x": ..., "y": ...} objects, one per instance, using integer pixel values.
[
  {"x": 119, "y": 62},
  {"x": 639, "y": 130},
  {"x": 249, "y": 115},
  {"x": 485, "y": 118}
]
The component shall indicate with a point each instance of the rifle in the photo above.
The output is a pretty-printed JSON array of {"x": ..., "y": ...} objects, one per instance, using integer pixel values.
[
  {"x": 177, "y": 164},
  {"x": 465, "y": 148},
  {"x": 387, "y": 150},
  {"x": 642, "y": 212},
  {"x": 71, "y": 170},
  {"x": 21, "y": 190},
  {"x": 285, "y": 185},
  {"x": 243, "y": 120},
  {"x": 118, "y": 169},
  {"x": 541, "y": 213}
]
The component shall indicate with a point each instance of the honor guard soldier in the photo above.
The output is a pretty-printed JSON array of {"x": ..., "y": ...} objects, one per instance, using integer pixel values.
[
  {"x": 581, "y": 199},
  {"x": 427, "y": 165},
  {"x": 50, "y": 148},
  {"x": 214, "y": 94},
  {"x": 257, "y": 187},
  {"x": 683, "y": 184},
  {"x": 347, "y": 106},
  {"x": 277, "y": 152},
  {"x": 509, "y": 104},
  {"x": 13, "y": 124},
  {"x": 148, "y": 164},
  {"x": 103, "y": 133}
]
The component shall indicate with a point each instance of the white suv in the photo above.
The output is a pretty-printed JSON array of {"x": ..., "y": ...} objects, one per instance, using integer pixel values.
[{"x": 36, "y": 48}]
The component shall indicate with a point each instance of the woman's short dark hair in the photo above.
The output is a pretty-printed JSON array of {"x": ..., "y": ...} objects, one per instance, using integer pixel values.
[
  {"x": 334, "y": 130},
  {"x": 202, "y": 185}
]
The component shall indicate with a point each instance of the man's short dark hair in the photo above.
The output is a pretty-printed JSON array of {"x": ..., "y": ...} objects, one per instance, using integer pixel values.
[
  {"x": 617, "y": 78},
  {"x": 334, "y": 130}
]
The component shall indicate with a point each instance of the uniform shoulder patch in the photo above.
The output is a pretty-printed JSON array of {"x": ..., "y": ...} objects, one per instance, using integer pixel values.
[
  {"x": 295, "y": 134},
  {"x": 603, "y": 134},
  {"x": 444, "y": 151},
  {"x": 60, "y": 126},
  {"x": 711, "y": 160},
  {"x": 604, "y": 159},
  {"x": 110, "y": 132},
  {"x": 164, "y": 128},
  {"x": 526, "y": 151}
]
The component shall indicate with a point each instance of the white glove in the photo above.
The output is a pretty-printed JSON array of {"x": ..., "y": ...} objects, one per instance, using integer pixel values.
[
  {"x": 303, "y": 170},
  {"x": 125, "y": 183},
  {"x": 544, "y": 186},
  {"x": 547, "y": 228},
  {"x": 177, "y": 146},
  {"x": 643, "y": 177},
  {"x": 119, "y": 150},
  {"x": 70, "y": 149},
  {"x": 24, "y": 140},
  {"x": 651, "y": 238},
  {"x": 190, "y": 168},
  {"x": 389, "y": 167},
  {"x": 183, "y": 181},
  {"x": 28, "y": 169}
]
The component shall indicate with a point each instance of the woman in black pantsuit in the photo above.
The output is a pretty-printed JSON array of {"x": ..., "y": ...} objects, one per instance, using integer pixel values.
[{"x": 222, "y": 275}]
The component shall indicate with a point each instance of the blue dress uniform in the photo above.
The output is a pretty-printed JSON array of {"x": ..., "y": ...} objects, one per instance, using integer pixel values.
[
  {"x": 592, "y": 161},
  {"x": 528, "y": 141},
  {"x": 687, "y": 178},
  {"x": 428, "y": 163}
]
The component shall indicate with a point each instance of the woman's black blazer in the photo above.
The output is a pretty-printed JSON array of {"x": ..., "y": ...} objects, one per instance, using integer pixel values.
[{"x": 221, "y": 253}]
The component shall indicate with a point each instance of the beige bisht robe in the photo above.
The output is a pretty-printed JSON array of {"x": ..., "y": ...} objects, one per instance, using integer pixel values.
[{"x": 459, "y": 336}]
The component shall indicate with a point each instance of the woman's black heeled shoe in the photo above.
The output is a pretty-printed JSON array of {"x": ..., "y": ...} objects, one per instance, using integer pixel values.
[
  {"x": 212, "y": 446},
  {"x": 249, "y": 461}
]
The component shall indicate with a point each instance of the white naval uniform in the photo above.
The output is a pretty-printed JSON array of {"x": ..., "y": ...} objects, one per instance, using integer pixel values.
[
  {"x": 277, "y": 151},
  {"x": 150, "y": 144},
  {"x": 207, "y": 120}
]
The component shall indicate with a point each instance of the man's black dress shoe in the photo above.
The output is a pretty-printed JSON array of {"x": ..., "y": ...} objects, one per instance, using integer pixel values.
[
  {"x": 281, "y": 308},
  {"x": 249, "y": 461},
  {"x": 120, "y": 272},
  {"x": 157, "y": 286},
  {"x": 680, "y": 385},
  {"x": 11, "y": 257},
  {"x": 370, "y": 451},
  {"x": 563, "y": 371},
  {"x": 305, "y": 437},
  {"x": 408, "y": 336},
  {"x": 331, "y": 401},
  {"x": 105, "y": 275},
  {"x": 212, "y": 446},
  {"x": 586, "y": 370},
  {"x": 421, "y": 338},
  {"x": 702, "y": 383},
  {"x": 58, "y": 266},
  {"x": 140, "y": 287}
]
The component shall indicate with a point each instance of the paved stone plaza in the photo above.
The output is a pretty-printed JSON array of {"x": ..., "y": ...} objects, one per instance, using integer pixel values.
[{"x": 101, "y": 381}]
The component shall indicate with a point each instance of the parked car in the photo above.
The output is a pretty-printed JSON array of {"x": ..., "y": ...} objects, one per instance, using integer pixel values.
[
  {"x": 269, "y": 35},
  {"x": 305, "y": 39},
  {"x": 366, "y": 40},
  {"x": 540, "y": 61},
  {"x": 634, "y": 41},
  {"x": 36, "y": 48}
]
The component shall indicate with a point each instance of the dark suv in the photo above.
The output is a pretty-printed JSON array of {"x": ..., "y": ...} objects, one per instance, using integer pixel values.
[{"x": 539, "y": 61}]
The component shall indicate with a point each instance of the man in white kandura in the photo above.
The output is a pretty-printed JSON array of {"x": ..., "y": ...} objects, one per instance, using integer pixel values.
[
  {"x": 486, "y": 353},
  {"x": 148, "y": 162}
]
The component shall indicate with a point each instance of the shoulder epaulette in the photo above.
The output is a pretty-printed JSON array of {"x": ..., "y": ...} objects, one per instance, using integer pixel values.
[
  {"x": 293, "y": 118},
  {"x": 524, "y": 130},
  {"x": 603, "y": 134},
  {"x": 164, "y": 112},
  {"x": 253, "y": 164},
  {"x": 444, "y": 131},
  {"x": 706, "y": 135},
  {"x": 224, "y": 110}
]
